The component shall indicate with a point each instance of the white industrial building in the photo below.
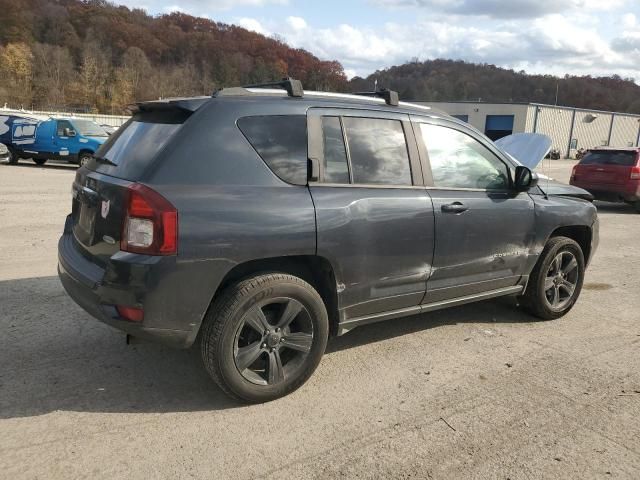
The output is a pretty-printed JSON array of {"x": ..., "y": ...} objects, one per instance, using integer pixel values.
[{"x": 569, "y": 128}]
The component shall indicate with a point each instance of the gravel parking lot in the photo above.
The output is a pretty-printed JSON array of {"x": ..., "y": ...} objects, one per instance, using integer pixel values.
[{"x": 480, "y": 391}]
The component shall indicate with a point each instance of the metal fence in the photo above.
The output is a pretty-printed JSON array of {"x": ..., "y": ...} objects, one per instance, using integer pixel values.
[{"x": 112, "y": 120}]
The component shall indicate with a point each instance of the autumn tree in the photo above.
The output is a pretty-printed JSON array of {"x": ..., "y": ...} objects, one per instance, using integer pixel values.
[{"x": 16, "y": 70}]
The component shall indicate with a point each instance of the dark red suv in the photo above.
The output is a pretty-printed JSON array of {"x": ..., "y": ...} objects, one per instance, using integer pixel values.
[{"x": 610, "y": 174}]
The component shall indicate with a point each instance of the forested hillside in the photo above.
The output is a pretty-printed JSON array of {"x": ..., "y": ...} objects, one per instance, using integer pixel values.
[
  {"x": 93, "y": 55},
  {"x": 448, "y": 80}
]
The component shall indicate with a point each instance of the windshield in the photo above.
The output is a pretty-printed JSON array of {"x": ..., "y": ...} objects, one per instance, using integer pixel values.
[
  {"x": 88, "y": 128},
  {"x": 621, "y": 158}
]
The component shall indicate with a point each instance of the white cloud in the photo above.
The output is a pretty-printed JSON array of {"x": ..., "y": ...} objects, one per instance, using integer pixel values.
[
  {"x": 554, "y": 44},
  {"x": 252, "y": 24},
  {"x": 504, "y": 8},
  {"x": 297, "y": 23},
  {"x": 629, "y": 20}
]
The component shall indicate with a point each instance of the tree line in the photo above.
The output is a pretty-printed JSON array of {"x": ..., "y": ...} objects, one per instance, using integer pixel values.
[
  {"x": 96, "y": 56},
  {"x": 92, "y": 55},
  {"x": 448, "y": 80}
]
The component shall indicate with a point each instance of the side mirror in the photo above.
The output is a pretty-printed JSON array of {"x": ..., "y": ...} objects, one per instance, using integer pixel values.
[
  {"x": 69, "y": 132},
  {"x": 525, "y": 179}
]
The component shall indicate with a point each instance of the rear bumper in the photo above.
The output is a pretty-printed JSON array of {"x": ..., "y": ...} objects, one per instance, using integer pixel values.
[
  {"x": 628, "y": 192},
  {"x": 130, "y": 280}
]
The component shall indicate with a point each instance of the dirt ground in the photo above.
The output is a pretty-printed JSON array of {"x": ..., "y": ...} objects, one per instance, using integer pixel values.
[{"x": 480, "y": 391}]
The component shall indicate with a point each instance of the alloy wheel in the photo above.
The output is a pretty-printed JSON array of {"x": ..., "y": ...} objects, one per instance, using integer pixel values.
[
  {"x": 273, "y": 341},
  {"x": 561, "y": 280}
]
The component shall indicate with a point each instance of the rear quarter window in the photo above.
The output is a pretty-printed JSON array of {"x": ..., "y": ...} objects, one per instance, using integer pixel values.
[{"x": 281, "y": 141}]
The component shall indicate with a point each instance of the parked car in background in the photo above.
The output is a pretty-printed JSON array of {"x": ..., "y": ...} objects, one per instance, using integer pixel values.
[
  {"x": 71, "y": 139},
  {"x": 17, "y": 132},
  {"x": 4, "y": 152},
  {"x": 610, "y": 174},
  {"x": 260, "y": 222}
]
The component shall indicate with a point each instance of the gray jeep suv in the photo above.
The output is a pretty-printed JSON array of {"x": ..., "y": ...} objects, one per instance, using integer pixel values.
[{"x": 260, "y": 221}]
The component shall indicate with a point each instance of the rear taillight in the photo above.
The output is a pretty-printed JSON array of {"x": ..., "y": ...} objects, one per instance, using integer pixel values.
[
  {"x": 132, "y": 314},
  {"x": 150, "y": 224},
  {"x": 573, "y": 172},
  {"x": 635, "y": 173}
]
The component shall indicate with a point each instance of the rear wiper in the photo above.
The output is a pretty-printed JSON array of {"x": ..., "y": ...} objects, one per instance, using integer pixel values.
[{"x": 105, "y": 160}]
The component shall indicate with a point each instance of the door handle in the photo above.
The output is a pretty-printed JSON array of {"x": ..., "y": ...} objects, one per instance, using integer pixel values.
[{"x": 455, "y": 207}]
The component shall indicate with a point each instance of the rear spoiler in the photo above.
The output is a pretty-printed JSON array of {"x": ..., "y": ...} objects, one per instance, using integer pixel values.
[{"x": 189, "y": 105}]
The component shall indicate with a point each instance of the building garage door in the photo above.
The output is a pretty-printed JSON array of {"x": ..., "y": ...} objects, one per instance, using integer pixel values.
[{"x": 499, "y": 126}]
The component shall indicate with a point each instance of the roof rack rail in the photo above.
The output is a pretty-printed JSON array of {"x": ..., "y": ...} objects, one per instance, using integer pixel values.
[
  {"x": 390, "y": 96},
  {"x": 291, "y": 85}
]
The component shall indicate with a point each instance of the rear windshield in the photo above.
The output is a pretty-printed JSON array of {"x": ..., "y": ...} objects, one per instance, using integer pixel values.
[
  {"x": 620, "y": 158},
  {"x": 130, "y": 150}
]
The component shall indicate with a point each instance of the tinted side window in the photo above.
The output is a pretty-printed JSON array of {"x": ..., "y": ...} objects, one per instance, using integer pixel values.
[
  {"x": 62, "y": 124},
  {"x": 378, "y": 151},
  {"x": 459, "y": 161},
  {"x": 281, "y": 141},
  {"x": 336, "y": 168}
]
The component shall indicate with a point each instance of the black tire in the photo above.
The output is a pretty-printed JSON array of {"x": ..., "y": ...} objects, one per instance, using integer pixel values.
[
  {"x": 84, "y": 157},
  {"x": 39, "y": 161},
  {"x": 537, "y": 299},
  {"x": 226, "y": 326},
  {"x": 13, "y": 156},
  {"x": 636, "y": 205}
]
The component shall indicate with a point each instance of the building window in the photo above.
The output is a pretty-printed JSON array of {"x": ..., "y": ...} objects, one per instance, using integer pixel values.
[
  {"x": 574, "y": 144},
  {"x": 464, "y": 118}
]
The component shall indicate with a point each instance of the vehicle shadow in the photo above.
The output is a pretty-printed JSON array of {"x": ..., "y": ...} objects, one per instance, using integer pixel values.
[
  {"x": 54, "y": 356},
  {"x": 617, "y": 208},
  {"x": 50, "y": 165},
  {"x": 500, "y": 310}
]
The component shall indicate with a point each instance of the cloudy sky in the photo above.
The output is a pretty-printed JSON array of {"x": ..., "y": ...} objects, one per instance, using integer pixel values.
[{"x": 597, "y": 37}]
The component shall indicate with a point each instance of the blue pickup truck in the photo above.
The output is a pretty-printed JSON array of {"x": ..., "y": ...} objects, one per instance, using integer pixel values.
[{"x": 71, "y": 139}]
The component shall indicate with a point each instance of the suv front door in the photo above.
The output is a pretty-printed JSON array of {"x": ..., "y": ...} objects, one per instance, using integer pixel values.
[
  {"x": 374, "y": 218},
  {"x": 484, "y": 228}
]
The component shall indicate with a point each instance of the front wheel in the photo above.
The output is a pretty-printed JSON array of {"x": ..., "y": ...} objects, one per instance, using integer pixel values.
[
  {"x": 264, "y": 337},
  {"x": 556, "y": 280},
  {"x": 83, "y": 158}
]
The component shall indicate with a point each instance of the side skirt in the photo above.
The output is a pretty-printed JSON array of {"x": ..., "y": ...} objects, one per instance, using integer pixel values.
[{"x": 352, "y": 323}]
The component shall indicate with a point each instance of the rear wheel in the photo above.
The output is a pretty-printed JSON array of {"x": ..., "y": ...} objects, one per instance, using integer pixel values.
[
  {"x": 264, "y": 337},
  {"x": 13, "y": 156},
  {"x": 40, "y": 161},
  {"x": 556, "y": 280}
]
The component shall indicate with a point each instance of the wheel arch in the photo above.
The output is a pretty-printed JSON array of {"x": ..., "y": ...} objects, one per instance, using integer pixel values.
[
  {"x": 313, "y": 269},
  {"x": 581, "y": 234}
]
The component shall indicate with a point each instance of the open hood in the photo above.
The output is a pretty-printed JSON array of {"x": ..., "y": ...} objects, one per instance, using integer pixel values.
[{"x": 529, "y": 149}]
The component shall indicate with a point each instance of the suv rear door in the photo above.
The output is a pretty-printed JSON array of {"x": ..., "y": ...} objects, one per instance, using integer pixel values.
[
  {"x": 100, "y": 190},
  {"x": 484, "y": 229},
  {"x": 374, "y": 218}
]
